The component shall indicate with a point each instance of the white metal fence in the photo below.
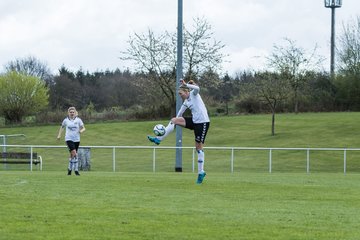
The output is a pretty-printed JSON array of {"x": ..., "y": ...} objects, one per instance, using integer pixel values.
[{"x": 270, "y": 150}]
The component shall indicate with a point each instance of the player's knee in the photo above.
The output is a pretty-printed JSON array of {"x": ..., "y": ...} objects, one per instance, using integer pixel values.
[{"x": 198, "y": 146}]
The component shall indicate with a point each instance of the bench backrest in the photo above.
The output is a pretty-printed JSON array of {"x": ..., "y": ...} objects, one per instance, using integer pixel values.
[{"x": 17, "y": 155}]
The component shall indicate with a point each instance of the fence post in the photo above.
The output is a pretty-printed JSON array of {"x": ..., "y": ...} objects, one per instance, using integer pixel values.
[
  {"x": 307, "y": 161},
  {"x": 114, "y": 163},
  {"x": 232, "y": 160},
  {"x": 344, "y": 161},
  {"x": 31, "y": 158},
  {"x": 270, "y": 160}
]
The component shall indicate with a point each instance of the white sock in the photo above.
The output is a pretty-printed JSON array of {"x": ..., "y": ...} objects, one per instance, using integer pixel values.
[
  {"x": 70, "y": 164},
  {"x": 76, "y": 163},
  {"x": 201, "y": 159},
  {"x": 168, "y": 129}
]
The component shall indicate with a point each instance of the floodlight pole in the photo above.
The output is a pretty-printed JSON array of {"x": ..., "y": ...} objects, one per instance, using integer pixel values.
[
  {"x": 332, "y": 52},
  {"x": 179, "y": 76},
  {"x": 332, "y": 4}
]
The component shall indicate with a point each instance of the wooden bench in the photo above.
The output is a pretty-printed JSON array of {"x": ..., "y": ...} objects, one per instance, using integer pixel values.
[{"x": 20, "y": 158}]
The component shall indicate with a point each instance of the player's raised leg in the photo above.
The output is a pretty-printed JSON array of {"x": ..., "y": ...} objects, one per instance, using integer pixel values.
[{"x": 168, "y": 129}]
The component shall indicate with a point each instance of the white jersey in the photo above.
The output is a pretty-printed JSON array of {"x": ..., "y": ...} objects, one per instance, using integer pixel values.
[
  {"x": 195, "y": 103},
  {"x": 73, "y": 127}
]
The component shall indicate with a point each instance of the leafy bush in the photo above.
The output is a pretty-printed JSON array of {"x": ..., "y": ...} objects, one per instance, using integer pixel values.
[{"x": 21, "y": 95}]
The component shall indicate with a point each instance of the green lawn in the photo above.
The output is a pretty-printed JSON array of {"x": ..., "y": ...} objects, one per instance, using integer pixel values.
[
  {"x": 314, "y": 130},
  {"x": 98, "y": 205},
  {"x": 135, "y": 203},
  {"x": 292, "y": 130}
]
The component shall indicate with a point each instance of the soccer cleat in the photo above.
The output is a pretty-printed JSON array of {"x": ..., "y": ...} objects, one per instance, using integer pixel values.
[
  {"x": 69, "y": 172},
  {"x": 77, "y": 173},
  {"x": 154, "y": 140},
  {"x": 201, "y": 177}
]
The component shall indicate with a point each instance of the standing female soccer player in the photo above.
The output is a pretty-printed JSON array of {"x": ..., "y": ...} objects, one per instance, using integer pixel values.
[
  {"x": 74, "y": 126},
  {"x": 199, "y": 122}
]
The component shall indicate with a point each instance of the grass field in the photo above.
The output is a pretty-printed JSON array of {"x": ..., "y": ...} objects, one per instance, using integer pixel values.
[
  {"x": 134, "y": 203},
  {"x": 50, "y": 205},
  {"x": 314, "y": 130}
]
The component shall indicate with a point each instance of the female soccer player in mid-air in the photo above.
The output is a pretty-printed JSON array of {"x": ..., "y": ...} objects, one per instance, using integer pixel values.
[{"x": 199, "y": 122}]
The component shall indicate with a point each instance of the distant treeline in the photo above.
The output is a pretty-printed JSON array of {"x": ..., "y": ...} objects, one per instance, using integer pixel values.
[{"x": 123, "y": 94}]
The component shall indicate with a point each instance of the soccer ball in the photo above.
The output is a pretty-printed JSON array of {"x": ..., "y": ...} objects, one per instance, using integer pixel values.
[{"x": 159, "y": 130}]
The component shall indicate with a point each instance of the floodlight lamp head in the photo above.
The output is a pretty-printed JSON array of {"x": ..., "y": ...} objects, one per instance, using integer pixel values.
[{"x": 332, "y": 3}]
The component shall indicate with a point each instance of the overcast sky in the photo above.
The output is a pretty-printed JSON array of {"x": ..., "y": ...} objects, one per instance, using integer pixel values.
[{"x": 90, "y": 34}]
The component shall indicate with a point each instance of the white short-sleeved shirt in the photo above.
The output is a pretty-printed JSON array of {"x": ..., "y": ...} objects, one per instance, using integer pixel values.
[
  {"x": 195, "y": 103},
  {"x": 73, "y": 127}
]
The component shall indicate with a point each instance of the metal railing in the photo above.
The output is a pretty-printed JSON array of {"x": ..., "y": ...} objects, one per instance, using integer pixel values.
[{"x": 232, "y": 156}]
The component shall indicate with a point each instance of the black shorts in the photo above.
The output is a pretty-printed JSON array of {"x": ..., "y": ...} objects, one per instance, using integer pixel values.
[
  {"x": 72, "y": 145},
  {"x": 200, "y": 129}
]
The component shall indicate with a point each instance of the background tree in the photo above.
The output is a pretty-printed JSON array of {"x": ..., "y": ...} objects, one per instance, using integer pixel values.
[
  {"x": 21, "y": 95},
  {"x": 348, "y": 49},
  {"x": 270, "y": 88},
  {"x": 320, "y": 92},
  {"x": 101, "y": 90},
  {"x": 201, "y": 51},
  {"x": 209, "y": 82},
  {"x": 293, "y": 62},
  {"x": 224, "y": 92},
  {"x": 64, "y": 91},
  {"x": 245, "y": 102},
  {"x": 31, "y": 66},
  {"x": 348, "y": 79},
  {"x": 155, "y": 56},
  {"x": 117, "y": 89}
]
